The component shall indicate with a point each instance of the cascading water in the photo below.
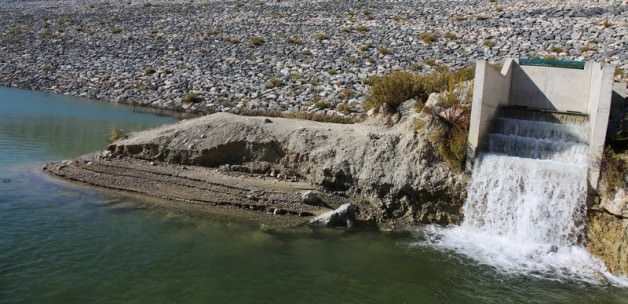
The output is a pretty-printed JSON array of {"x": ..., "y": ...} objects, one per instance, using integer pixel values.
[{"x": 526, "y": 205}]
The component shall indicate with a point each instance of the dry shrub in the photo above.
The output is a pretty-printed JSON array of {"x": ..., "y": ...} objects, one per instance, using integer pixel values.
[
  {"x": 428, "y": 37},
  {"x": 192, "y": 97},
  {"x": 331, "y": 118},
  {"x": 395, "y": 88},
  {"x": 449, "y": 137},
  {"x": 117, "y": 134},
  {"x": 613, "y": 168},
  {"x": 257, "y": 41}
]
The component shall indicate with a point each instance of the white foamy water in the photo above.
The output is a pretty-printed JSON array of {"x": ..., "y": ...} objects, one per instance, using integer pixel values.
[{"x": 526, "y": 206}]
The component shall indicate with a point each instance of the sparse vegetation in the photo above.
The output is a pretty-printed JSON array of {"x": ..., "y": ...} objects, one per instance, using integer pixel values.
[
  {"x": 274, "y": 83},
  {"x": 587, "y": 48},
  {"x": 232, "y": 39},
  {"x": 365, "y": 47},
  {"x": 395, "y": 88},
  {"x": 116, "y": 30},
  {"x": 489, "y": 43},
  {"x": 428, "y": 37},
  {"x": 257, "y": 41},
  {"x": 385, "y": 51},
  {"x": 613, "y": 167},
  {"x": 606, "y": 23},
  {"x": 361, "y": 29},
  {"x": 307, "y": 116},
  {"x": 192, "y": 97},
  {"x": 430, "y": 62},
  {"x": 213, "y": 32},
  {"x": 450, "y": 138},
  {"x": 321, "y": 105},
  {"x": 346, "y": 93},
  {"x": 320, "y": 36},
  {"x": 556, "y": 49},
  {"x": 343, "y": 108},
  {"x": 295, "y": 40},
  {"x": 117, "y": 134},
  {"x": 149, "y": 71},
  {"x": 451, "y": 36}
]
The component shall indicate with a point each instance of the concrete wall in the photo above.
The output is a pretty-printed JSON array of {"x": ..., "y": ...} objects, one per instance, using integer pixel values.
[
  {"x": 585, "y": 91},
  {"x": 547, "y": 88},
  {"x": 491, "y": 89}
]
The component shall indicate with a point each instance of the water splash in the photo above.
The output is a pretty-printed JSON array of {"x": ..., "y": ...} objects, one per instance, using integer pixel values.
[{"x": 526, "y": 206}]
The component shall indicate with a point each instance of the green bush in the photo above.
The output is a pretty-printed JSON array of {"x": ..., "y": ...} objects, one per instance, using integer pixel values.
[{"x": 489, "y": 43}]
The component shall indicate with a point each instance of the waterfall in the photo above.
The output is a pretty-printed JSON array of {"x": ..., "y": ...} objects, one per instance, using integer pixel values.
[{"x": 525, "y": 211}]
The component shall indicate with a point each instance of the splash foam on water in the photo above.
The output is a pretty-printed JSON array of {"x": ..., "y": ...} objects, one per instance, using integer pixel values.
[{"x": 526, "y": 207}]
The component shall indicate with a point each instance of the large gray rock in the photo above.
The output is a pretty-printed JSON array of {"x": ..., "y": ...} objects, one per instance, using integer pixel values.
[{"x": 343, "y": 216}]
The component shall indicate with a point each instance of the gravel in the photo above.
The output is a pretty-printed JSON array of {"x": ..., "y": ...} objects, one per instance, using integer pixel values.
[{"x": 236, "y": 56}]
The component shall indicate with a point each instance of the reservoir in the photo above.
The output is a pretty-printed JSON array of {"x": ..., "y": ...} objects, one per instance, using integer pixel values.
[{"x": 65, "y": 243}]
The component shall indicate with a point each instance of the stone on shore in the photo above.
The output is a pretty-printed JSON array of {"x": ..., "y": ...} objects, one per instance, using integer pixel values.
[{"x": 343, "y": 216}]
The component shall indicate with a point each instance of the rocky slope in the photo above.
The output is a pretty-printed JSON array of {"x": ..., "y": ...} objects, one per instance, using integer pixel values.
[
  {"x": 607, "y": 226},
  {"x": 279, "y": 55},
  {"x": 391, "y": 174}
]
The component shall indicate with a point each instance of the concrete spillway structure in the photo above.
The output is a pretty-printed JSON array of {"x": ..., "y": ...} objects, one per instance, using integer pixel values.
[{"x": 558, "y": 94}]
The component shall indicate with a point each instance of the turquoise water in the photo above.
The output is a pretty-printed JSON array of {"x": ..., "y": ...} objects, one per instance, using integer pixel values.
[{"x": 61, "y": 243}]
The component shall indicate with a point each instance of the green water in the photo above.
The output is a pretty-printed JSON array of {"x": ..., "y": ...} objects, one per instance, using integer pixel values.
[{"x": 61, "y": 243}]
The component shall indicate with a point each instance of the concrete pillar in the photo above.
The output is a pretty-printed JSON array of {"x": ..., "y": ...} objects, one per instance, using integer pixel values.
[
  {"x": 491, "y": 89},
  {"x": 599, "y": 111}
]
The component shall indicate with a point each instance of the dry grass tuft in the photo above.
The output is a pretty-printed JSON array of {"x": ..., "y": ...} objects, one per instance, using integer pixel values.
[
  {"x": 395, "y": 88},
  {"x": 117, "y": 134},
  {"x": 192, "y": 97},
  {"x": 330, "y": 118},
  {"x": 613, "y": 168},
  {"x": 428, "y": 37}
]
